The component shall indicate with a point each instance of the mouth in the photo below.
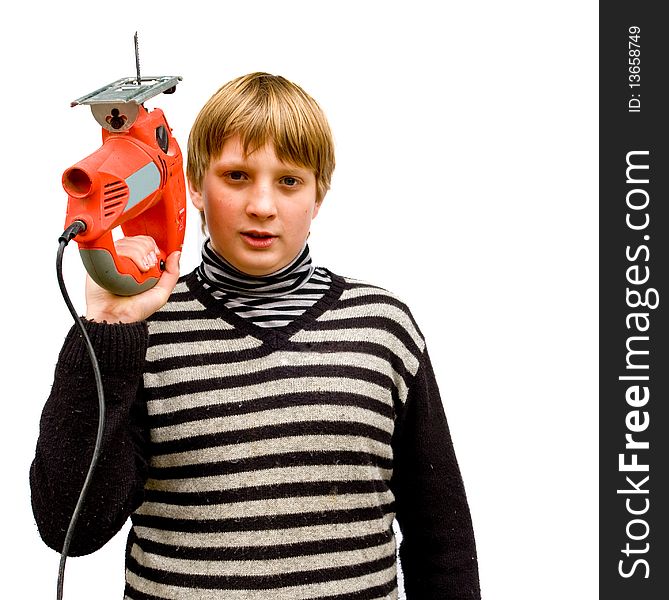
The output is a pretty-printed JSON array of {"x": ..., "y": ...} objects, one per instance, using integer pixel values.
[
  {"x": 258, "y": 239},
  {"x": 258, "y": 234}
]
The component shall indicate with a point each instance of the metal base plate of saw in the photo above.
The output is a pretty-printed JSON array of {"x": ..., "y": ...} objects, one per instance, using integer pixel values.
[{"x": 116, "y": 105}]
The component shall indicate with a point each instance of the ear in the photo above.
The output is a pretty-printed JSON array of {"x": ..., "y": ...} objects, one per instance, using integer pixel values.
[
  {"x": 317, "y": 207},
  {"x": 196, "y": 196}
]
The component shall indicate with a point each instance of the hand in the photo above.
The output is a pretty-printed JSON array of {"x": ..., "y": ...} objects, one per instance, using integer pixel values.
[{"x": 102, "y": 305}]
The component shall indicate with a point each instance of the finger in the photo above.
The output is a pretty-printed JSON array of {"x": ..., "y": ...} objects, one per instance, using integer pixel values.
[
  {"x": 172, "y": 263},
  {"x": 170, "y": 275},
  {"x": 147, "y": 243},
  {"x": 140, "y": 249}
]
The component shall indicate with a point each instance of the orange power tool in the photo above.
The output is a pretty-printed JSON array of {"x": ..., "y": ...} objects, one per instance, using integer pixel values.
[{"x": 135, "y": 180}]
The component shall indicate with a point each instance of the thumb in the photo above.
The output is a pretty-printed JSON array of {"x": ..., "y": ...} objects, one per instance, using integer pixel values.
[
  {"x": 170, "y": 275},
  {"x": 172, "y": 263}
]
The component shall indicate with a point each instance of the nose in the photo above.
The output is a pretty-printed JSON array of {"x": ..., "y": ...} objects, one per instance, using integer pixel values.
[{"x": 261, "y": 203}]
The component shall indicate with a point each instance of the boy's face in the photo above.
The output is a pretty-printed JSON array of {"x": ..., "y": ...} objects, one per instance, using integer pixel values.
[{"x": 258, "y": 208}]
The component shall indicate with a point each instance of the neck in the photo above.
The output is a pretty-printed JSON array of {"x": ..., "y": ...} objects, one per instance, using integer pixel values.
[{"x": 225, "y": 277}]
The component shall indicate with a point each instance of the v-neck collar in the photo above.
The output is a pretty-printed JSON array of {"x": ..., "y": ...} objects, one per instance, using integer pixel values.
[{"x": 275, "y": 337}]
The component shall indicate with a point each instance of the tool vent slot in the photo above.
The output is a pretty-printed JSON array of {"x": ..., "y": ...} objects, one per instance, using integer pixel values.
[
  {"x": 115, "y": 197},
  {"x": 163, "y": 170}
]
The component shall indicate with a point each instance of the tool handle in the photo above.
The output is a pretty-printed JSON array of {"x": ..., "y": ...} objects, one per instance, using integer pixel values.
[{"x": 118, "y": 274}]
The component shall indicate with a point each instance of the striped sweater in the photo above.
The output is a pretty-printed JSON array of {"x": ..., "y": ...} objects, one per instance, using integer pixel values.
[{"x": 262, "y": 463}]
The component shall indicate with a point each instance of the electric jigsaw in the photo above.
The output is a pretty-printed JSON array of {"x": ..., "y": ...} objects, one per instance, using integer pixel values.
[{"x": 134, "y": 181}]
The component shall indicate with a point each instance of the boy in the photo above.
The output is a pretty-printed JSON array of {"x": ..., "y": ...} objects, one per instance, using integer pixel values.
[{"x": 267, "y": 419}]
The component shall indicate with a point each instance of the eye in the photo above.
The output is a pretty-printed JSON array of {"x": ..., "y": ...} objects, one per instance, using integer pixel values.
[
  {"x": 235, "y": 175},
  {"x": 290, "y": 181}
]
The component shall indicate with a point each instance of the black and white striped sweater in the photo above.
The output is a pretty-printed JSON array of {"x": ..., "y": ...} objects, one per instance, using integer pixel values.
[{"x": 262, "y": 463}]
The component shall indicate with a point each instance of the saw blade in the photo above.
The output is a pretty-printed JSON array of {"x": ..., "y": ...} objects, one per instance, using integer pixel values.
[{"x": 139, "y": 78}]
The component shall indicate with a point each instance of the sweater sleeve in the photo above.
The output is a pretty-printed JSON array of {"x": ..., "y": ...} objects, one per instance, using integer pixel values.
[
  {"x": 68, "y": 430},
  {"x": 438, "y": 552}
]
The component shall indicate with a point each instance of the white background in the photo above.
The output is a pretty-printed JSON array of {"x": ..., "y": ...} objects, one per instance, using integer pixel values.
[{"x": 466, "y": 182}]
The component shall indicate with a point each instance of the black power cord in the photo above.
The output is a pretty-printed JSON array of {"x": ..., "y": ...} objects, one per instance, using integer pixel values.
[{"x": 74, "y": 229}]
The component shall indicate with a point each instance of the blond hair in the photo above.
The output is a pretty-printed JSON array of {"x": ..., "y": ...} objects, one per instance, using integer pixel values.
[{"x": 261, "y": 108}]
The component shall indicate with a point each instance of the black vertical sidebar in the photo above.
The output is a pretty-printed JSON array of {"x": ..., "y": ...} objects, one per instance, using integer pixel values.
[{"x": 634, "y": 302}]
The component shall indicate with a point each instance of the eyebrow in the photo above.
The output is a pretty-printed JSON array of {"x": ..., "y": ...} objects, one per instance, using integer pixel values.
[{"x": 241, "y": 165}]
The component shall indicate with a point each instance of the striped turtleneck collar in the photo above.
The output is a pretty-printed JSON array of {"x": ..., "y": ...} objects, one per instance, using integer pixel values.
[
  {"x": 273, "y": 300},
  {"x": 220, "y": 274}
]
